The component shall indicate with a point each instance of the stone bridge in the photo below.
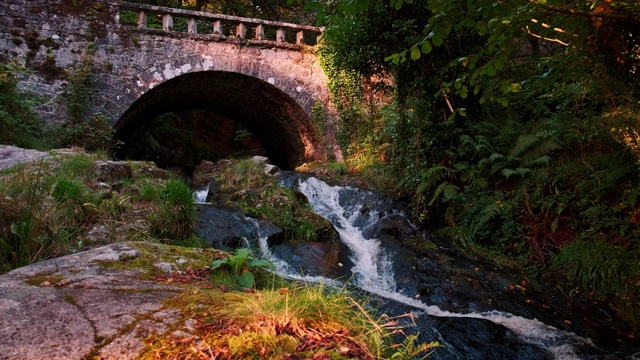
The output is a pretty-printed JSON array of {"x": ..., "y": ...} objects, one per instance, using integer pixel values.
[{"x": 212, "y": 70}]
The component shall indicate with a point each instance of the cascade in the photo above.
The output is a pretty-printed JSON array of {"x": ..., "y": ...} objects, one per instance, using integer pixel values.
[
  {"x": 372, "y": 269},
  {"x": 353, "y": 212}
]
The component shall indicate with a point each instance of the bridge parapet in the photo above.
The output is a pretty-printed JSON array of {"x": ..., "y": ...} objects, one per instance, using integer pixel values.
[{"x": 248, "y": 30}]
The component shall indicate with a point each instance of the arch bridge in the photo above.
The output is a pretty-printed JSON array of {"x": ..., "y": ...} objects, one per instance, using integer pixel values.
[{"x": 178, "y": 85}]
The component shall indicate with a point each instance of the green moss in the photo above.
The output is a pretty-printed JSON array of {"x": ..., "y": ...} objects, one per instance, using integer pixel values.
[
  {"x": 420, "y": 245},
  {"x": 44, "y": 279},
  {"x": 250, "y": 345},
  {"x": 152, "y": 254}
]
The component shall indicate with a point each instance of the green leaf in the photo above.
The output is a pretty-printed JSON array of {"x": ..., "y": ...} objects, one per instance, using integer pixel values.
[
  {"x": 245, "y": 279},
  {"x": 216, "y": 264},
  {"x": 505, "y": 102},
  {"x": 415, "y": 52},
  {"x": 261, "y": 263},
  {"x": 437, "y": 39},
  {"x": 426, "y": 47},
  {"x": 242, "y": 254},
  {"x": 491, "y": 71}
]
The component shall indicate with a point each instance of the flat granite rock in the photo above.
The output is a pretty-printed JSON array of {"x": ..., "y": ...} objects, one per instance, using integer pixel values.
[
  {"x": 74, "y": 307},
  {"x": 11, "y": 156}
]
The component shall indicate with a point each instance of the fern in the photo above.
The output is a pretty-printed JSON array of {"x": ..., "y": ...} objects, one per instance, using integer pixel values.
[
  {"x": 449, "y": 191},
  {"x": 488, "y": 213},
  {"x": 524, "y": 143},
  {"x": 434, "y": 176},
  {"x": 410, "y": 349},
  {"x": 540, "y": 149}
]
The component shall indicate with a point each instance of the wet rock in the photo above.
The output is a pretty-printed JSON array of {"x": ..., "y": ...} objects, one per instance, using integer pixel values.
[
  {"x": 112, "y": 171},
  {"x": 314, "y": 258},
  {"x": 394, "y": 225},
  {"x": 213, "y": 194},
  {"x": 224, "y": 227}
]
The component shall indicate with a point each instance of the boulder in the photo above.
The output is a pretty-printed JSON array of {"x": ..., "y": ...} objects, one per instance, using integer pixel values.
[
  {"x": 112, "y": 171},
  {"x": 75, "y": 307}
]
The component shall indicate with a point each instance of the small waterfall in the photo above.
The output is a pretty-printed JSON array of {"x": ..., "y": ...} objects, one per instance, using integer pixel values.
[
  {"x": 200, "y": 196},
  {"x": 373, "y": 272},
  {"x": 372, "y": 267},
  {"x": 282, "y": 267}
]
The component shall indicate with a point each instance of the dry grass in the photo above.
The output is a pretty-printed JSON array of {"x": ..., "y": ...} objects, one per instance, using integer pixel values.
[{"x": 298, "y": 321}]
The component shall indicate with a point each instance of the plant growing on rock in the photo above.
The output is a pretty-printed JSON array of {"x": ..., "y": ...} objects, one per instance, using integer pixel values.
[{"x": 242, "y": 263}]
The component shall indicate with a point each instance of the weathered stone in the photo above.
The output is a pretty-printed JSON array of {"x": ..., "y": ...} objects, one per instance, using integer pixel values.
[
  {"x": 67, "y": 307},
  {"x": 260, "y": 160},
  {"x": 126, "y": 56},
  {"x": 271, "y": 169},
  {"x": 11, "y": 156},
  {"x": 112, "y": 171}
]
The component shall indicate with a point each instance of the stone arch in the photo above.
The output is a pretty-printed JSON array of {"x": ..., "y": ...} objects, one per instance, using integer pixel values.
[{"x": 276, "y": 119}]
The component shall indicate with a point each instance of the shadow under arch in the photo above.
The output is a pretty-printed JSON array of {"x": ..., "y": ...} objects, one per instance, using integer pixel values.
[{"x": 282, "y": 127}]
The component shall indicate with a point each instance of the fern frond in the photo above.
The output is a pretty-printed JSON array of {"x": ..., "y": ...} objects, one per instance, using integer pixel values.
[
  {"x": 450, "y": 192},
  {"x": 496, "y": 156},
  {"x": 447, "y": 190},
  {"x": 434, "y": 176},
  {"x": 488, "y": 213},
  {"x": 543, "y": 148},
  {"x": 460, "y": 235},
  {"x": 542, "y": 160},
  {"x": 524, "y": 143},
  {"x": 615, "y": 174},
  {"x": 507, "y": 172}
]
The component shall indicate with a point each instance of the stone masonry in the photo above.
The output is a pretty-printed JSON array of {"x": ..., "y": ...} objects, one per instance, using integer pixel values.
[{"x": 50, "y": 38}]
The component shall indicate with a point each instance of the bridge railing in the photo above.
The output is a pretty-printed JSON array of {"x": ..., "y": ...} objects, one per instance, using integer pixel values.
[{"x": 253, "y": 30}]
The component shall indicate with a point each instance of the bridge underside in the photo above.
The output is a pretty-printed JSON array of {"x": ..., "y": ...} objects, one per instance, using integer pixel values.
[{"x": 208, "y": 104}]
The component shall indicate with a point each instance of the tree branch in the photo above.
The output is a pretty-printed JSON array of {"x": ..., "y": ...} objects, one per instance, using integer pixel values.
[{"x": 602, "y": 15}]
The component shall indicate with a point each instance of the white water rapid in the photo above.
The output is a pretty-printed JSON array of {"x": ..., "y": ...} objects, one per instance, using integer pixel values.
[
  {"x": 372, "y": 271},
  {"x": 200, "y": 196}
]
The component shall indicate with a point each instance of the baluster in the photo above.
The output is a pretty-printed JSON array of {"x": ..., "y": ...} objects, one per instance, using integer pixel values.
[
  {"x": 259, "y": 32},
  {"x": 167, "y": 22},
  {"x": 217, "y": 28},
  {"x": 192, "y": 26},
  {"x": 300, "y": 38},
  {"x": 241, "y": 31},
  {"x": 142, "y": 19},
  {"x": 280, "y": 35}
]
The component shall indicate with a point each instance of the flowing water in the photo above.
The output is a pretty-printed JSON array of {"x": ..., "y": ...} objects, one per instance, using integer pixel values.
[
  {"x": 373, "y": 271},
  {"x": 352, "y": 211}
]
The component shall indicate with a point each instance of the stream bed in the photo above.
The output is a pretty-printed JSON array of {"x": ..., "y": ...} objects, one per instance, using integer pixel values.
[{"x": 477, "y": 311}]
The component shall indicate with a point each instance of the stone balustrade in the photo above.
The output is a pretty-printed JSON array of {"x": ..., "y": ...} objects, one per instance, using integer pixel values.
[{"x": 262, "y": 31}]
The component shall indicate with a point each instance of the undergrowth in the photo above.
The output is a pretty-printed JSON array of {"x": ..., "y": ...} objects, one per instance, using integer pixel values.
[
  {"x": 283, "y": 320},
  {"x": 49, "y": 207}
]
